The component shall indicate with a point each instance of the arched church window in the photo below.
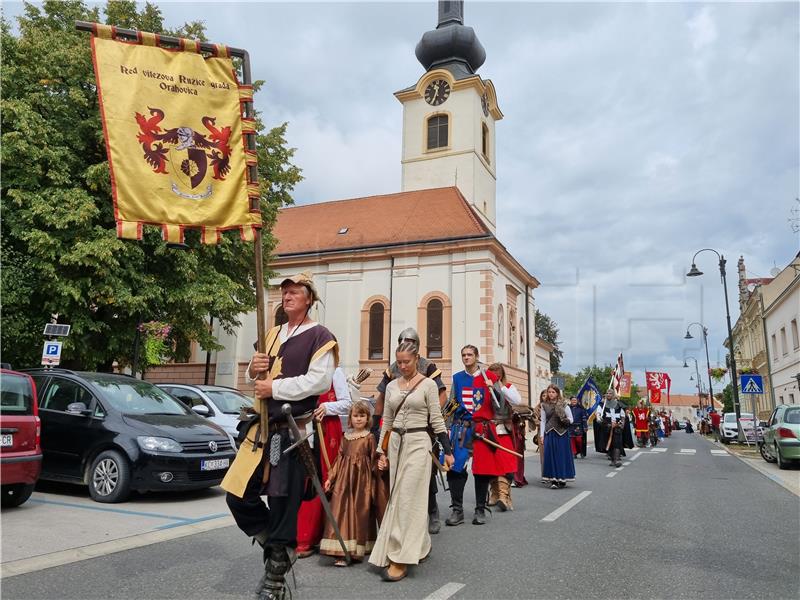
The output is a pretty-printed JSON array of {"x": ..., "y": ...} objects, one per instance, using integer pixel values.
[
  {"x": 485, "y": 141},
  {"x": 438, "y": 131},
  {"x": 280, "y": 316},
  {"x": 434, "y": 328},
  {"x": 376, "y": 331},
  {"x": 501, "y": 329}
]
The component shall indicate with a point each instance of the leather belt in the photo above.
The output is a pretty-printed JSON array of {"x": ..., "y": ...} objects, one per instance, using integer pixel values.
[
  {"x": 400, "y": 431},
  {"x": 275, "y": 426}
]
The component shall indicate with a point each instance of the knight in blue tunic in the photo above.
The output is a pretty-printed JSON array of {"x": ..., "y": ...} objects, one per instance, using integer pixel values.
[{"x": 459, "y": 411}]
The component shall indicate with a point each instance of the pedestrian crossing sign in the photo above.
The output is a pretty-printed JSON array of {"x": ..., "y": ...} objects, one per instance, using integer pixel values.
[{"x": 751, "y": 384}]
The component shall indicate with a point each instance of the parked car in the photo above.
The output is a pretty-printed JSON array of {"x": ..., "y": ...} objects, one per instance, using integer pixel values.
[
  {"x": 116, "y": 434},
  {"x": 220, "y": 405},
  {"x": 728, "y": 432},
  {"x": 781, "y": 442},
  {"x": 20, "y": 449}
]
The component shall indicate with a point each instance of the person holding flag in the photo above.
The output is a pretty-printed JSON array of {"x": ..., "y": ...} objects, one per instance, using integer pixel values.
[
  {"x": 641, "y": 421},
  {"x": 577, "y": 430}
]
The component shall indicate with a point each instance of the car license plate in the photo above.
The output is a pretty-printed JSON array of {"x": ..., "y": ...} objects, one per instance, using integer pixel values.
[
  {"x": 7, "y": 440},
  {"x": 213, "y": 465}
]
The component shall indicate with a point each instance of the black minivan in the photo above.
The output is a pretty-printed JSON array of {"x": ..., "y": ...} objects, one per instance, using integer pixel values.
[{"x": 116, "y": 434}]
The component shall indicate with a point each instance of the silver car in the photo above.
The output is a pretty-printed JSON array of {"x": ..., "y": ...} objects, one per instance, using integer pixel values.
[{"x": 220, "y": 405}]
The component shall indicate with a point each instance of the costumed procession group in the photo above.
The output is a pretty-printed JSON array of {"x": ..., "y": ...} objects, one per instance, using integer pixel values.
[{"x": 369, "y": 490}]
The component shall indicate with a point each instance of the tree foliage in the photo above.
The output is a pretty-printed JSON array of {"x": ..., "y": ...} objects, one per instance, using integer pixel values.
[
  {"x": 547, "y": 329},
  {"x": 60, "y": 253}
]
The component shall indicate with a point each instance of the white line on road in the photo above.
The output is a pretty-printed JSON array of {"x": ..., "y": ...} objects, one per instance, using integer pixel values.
[
  {"x": 628, "y": 462},
  {"x": 612, "y": 474},
  {"x": 445, "y": 591},
  {"x": 658, "y": 449},
  {"x": 566, "y": 506},
  {"x": 633, "y": 458},
  {"x": 720, "y": 452},
  {"x": 686, "y": 451}
]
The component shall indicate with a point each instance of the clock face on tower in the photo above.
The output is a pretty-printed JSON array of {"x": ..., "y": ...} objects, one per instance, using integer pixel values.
[
  {"x": 485, "y": 104},
  {"x": 437, "y": 92}
]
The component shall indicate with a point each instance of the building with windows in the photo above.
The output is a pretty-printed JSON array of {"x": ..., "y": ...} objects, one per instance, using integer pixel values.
[
  {"x": 766, "y": 337},
  {"x": 426, "y": 257}
]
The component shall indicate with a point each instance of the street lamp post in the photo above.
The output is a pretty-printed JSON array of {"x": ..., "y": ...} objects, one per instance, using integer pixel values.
[
  {"x": 695, "y": 272},
  {"x": 689, "y": 336},
  {"x": 697, "y": 371}
]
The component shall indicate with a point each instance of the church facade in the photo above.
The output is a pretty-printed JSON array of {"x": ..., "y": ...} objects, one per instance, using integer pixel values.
[{"x": 426, "y": 257}]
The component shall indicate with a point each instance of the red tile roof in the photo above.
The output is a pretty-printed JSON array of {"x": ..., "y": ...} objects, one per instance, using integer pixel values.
[
  {"x": 685, "y": 400},
  {"x": 375, "y": 221}
]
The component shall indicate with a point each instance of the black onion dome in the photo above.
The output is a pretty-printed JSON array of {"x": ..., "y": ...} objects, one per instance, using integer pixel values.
[{"x": 451, "y": 45}]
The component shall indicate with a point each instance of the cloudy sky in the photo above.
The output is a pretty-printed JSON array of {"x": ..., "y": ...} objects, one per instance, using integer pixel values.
[{"x": 634, "y": 134}]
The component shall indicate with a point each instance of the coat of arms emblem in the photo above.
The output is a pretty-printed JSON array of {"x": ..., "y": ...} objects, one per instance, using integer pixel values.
[{"x": 186, "y": 154}]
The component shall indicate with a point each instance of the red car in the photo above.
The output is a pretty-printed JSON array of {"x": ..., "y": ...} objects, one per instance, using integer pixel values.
[{"x": 20, "y": 437}]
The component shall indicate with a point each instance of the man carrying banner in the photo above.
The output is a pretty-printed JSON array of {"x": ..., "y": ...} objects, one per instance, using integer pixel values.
[
  {"x": 641, "y": 422},
  {"x": 431, "y": 371},
  {"x": 300, "y": 359},
  {"x": 614, "y": 433}
]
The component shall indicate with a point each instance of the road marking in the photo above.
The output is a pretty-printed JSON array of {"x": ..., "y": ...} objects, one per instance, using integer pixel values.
[
  {"x": 612, "y": 474},
  {"x": 658, "y": 449},
  {"x": 445, "y": 591},
  {"x": 687, "y": 451},
  {"x": 720, "y": 452},
  {"x": 633, "y": 458},
  {"x": 121, "y": 511},
  {"x": 628, "y": 462},
  {"x": 566, "y": 506}
]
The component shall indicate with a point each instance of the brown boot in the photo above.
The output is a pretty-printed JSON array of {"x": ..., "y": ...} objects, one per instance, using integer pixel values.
[
  {"x": 504, "y": 491},
  {"x": 494, "y": 492}
]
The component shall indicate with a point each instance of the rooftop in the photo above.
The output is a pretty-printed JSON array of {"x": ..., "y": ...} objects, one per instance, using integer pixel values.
[{"x": 438, "y": 214}]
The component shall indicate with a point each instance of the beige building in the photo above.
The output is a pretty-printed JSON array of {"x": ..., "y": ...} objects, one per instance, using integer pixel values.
[
  {"x": 426, "y": 257},
  {"x": 766, "y": 335},
  {"x": 781, "y": 310}
]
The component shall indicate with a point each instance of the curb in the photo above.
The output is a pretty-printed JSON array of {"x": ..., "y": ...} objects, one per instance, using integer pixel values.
[
  {"x": 753, "y": 464},
  {"x": 72, "y": 555}
]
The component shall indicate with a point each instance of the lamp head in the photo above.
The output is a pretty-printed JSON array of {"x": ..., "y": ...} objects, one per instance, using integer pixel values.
[
  {"x": 685, "y": 366},
  {"x": 694, "y": 271},
  {"x": 688, "y": 336},
  {"x": 691, "y": 377}
]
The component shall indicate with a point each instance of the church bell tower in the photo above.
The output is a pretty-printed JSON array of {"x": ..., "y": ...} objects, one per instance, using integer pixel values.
[{"x": 449, "y": 116}]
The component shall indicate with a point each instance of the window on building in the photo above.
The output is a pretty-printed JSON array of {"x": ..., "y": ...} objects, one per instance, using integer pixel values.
[
  {"x": 784, "y": 345},
  {"x": 375, "y": 350},
  {"x": 280, "y": 316},
  {"x": 774, "y": 348},
  {"x": 522, "y": 337},
  {"x": 795, "y": 338},
  {"x": 485, "y": 141},
  {"x": 791, "y": 398},
  {"x": 434, "y": 328},
  {"x": 438, "y": 132},
  {"x": 501, "y": 328}
]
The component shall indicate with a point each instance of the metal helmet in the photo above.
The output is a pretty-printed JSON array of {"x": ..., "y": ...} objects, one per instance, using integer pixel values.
[{"x": 409, "y": 333}]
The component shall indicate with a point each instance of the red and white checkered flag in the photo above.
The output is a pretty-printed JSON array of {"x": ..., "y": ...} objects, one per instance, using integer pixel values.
[{"x": 616, "y": 375}]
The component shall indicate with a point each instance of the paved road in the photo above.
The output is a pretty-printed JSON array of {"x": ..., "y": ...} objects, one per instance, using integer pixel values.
[{"x": 680, "y": 523}]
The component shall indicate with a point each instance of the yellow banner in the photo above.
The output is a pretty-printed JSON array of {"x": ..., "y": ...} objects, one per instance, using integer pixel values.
[{"x": 173, "y": 128}]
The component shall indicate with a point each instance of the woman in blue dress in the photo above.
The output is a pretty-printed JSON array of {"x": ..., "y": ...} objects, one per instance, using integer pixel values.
[{"x": 558, "y": 466}]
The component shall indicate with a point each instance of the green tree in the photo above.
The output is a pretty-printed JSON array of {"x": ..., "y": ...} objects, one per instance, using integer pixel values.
[
  {"x": 59, "y": 251},
  {"x": 726, "y": 398},
  {"x": 602, "y": 377},
  {"x": 547, "y": 329}
]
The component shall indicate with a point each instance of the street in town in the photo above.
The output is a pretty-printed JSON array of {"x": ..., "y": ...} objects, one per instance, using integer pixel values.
[{"x": 684, "y": 520}]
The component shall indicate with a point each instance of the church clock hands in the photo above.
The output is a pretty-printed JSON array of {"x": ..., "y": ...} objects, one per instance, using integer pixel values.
[{"x": 437, "y": 92}]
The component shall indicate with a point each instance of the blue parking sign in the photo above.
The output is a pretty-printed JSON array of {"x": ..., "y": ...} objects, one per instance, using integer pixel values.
[
  {"x": 51, "y": 354},
  {"x": 751, "y": 384}
]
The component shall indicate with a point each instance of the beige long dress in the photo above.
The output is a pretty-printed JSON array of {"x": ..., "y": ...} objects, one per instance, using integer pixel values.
[{"x": 403, "y": 535}]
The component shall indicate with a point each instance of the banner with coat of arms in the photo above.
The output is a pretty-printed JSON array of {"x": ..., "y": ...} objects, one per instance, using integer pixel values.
[
  {"x": 656, "y": 382},
  {"x": 174, "y": 134}
]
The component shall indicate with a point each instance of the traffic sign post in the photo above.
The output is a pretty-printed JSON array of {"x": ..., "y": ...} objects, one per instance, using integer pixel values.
[
  {"x": 751, "y": 384},
  {"x": 51, "y": 354}
]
